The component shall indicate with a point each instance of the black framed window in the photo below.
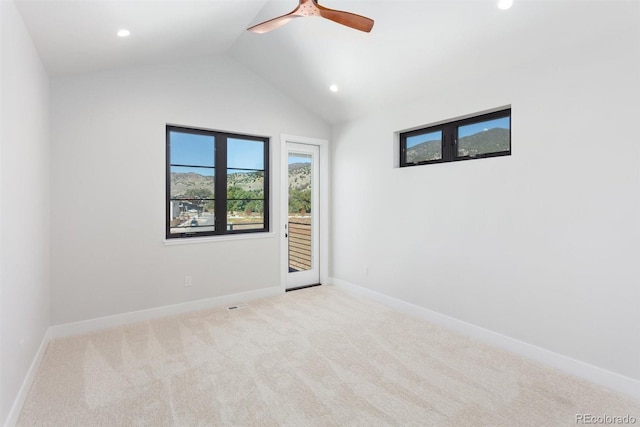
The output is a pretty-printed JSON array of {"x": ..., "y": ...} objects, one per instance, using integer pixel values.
[
  {"x": 217, "y": 183},
  {"x": 485, "y": 135}
]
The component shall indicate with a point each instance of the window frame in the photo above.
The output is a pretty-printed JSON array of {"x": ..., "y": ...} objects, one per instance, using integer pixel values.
[
  {"x": 220, "y": 187},
  {"x": 449, "y": 143}
]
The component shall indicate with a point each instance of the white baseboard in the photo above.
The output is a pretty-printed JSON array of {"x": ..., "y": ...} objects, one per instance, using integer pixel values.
[
  {"x": 16, "y": 409},
  {"x": 85, "y": 326},
  {"x": 611, "y": 380}
]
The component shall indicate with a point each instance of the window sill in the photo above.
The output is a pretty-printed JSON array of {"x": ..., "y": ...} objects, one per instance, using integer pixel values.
[{"x": 207, "y": 239}]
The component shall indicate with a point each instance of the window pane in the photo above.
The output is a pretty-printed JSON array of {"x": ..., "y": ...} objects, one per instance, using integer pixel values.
[
  {"x": 192, "y": 216},
  {"x": 300, "y": 218},
  {"x": 192, "y": 183},
  {"x": 245, "y": 200},
  {"x": 490, "y": 136},
  {"x": 424, "y": 147},
  {"x": 299, "y": 184},
  {"x": 192, "y": 150},
  {"x": 245, "y": 154},
  {"x": 242, "y": 184},
  {"x": 245, "y": 214}
]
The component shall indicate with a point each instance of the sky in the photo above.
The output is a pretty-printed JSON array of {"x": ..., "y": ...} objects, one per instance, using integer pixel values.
[
  {"x": 482, "y": 126},
  {"x": 198, "y": 150},
  {"x": 463, "y": 131},
  {"x": 190, "y": 149},
  {"x": 299, "y": 158},
  {"x": 424, "y": 137}
]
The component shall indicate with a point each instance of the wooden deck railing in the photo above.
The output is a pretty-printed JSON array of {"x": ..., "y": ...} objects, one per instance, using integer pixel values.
[{"x": 299, "y": 246}]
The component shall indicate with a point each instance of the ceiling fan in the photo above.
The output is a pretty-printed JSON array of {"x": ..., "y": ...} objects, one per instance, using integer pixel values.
[{"x": 312, "y": 8}]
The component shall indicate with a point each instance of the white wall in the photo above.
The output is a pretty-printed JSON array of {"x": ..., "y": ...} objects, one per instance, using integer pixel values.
[
  {"x": 108, "y": 186},
  {"x": 24, "y": 201},
  {"x": 541, "y": 246}
]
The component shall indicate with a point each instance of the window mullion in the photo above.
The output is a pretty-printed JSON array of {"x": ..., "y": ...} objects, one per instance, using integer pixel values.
[
  {"x": 453, "y": 132},
  {"x": 447, "y": 144},
  {"x": 221, "y": 184}
]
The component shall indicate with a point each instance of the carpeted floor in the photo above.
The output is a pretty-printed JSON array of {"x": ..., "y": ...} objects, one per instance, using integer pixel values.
[{"x": 317, "y": 356}]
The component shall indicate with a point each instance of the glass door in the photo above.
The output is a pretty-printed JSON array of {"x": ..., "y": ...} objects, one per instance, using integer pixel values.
[{"x": 302, "y": 216}]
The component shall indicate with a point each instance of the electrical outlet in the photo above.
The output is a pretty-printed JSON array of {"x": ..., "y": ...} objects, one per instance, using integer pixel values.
[{"x": 187, "y": 281}]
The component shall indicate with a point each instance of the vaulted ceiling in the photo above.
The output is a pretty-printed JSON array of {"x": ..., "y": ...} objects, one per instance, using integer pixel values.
[{"x": 415, "y": 46}]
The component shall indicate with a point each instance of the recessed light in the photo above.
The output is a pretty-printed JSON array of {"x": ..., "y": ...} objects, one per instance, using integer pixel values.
[
  {"x": 123, "y": 33},
  {"x": 505, "y": 4},
  {"x": 333, "y": 88}
]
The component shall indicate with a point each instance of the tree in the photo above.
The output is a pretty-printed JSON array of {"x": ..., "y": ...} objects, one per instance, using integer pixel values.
[
  {"x": 241, "y": 200},
  {"x": 199, "y": 193},
  {"x": 300, "y": 200}
]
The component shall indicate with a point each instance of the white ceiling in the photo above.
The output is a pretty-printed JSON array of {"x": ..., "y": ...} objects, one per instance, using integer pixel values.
[
  {"x": 414, "y": 47},
  {"x": 80, "y": 35}
]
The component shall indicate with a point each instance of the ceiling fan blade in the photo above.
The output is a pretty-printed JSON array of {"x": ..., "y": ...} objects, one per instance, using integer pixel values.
[
  {"x": 352, "y": 20},
  {"x": 312, "y": 8},
  {"x": 272, "y": 24}
]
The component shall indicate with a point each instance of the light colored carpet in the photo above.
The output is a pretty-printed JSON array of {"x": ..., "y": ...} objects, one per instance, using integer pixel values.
[{"x": 317, "y": 356}]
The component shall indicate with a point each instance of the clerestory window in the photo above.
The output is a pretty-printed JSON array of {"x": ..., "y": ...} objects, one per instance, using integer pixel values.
[{"x": 481, "y": 136}]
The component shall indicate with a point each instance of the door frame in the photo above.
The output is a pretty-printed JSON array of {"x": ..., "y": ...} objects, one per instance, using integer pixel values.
[{"x": 322, "y": 221}]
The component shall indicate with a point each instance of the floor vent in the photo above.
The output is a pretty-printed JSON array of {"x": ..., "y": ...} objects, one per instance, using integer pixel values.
[{"x": 237, "y": 307}]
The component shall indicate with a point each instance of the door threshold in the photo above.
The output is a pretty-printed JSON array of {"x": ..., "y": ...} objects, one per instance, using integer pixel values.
[{"x": 297, "y": 288}]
